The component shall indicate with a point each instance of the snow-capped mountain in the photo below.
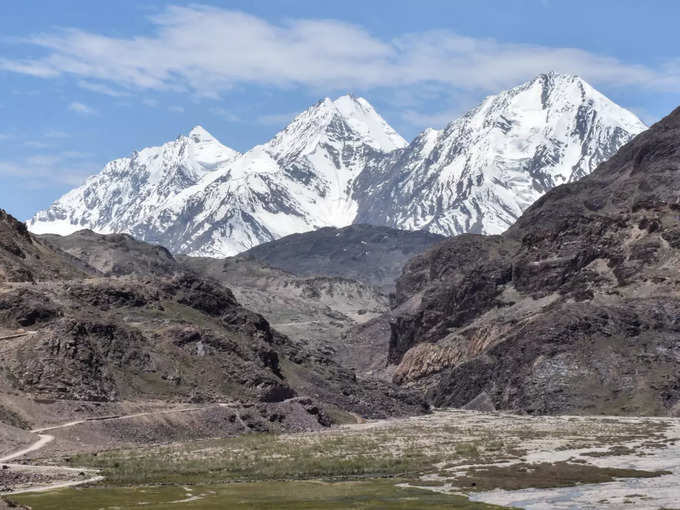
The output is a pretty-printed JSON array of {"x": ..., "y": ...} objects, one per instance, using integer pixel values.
[
  {"x": 300, "y": 180},
  {"x": 339, "y": 163},
  {"x": 480, "y": 172},
  {"x": 130, "y": 190}
]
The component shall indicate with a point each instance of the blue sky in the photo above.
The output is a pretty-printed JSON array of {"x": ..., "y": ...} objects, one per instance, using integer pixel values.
[{"x": 84, "y": 82}]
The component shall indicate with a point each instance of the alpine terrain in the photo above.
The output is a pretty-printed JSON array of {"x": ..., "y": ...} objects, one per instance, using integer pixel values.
[
  {"x": 573, "y": 310},
  {"x": 221, "y": 205},
  {"x": 340, "y": 163},
  {"x": 111, "y": 319},
  {"x": 479, "y": 173}
]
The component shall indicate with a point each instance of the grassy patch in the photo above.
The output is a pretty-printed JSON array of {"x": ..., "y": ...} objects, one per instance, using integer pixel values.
[
  {"x": 261, "y": 457},
  {"x": 544, "y": 475},
  {"x": 373, "y": 494}
]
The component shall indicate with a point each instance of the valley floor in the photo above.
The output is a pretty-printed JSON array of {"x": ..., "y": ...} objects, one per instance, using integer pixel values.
[{"x": 449, "y": 459}]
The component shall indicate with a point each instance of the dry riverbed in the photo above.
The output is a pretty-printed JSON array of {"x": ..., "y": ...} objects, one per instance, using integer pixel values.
[{"x": 490, "y": 459}]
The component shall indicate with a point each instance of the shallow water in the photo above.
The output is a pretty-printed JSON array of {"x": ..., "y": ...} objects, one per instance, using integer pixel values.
[{"x": 638, "y": 493}]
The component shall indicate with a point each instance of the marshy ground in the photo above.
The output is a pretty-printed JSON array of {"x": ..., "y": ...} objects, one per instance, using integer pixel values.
[{"x": 450, "y": 459}]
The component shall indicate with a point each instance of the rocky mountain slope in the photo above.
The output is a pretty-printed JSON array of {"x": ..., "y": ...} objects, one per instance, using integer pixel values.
[
  {"x": 78, "y": 334},
  {"x": 25, "y": 258},
  {"x": 115, "y": 254},
  {"x": 479, "y": 173},
  {"x": 573, "y": 310},
  {"x": 222, "y": 204},
  {"x": 370, "y": 254},
  {"x": 340, "y": 163},
  {"x": 314, "y": 310}
]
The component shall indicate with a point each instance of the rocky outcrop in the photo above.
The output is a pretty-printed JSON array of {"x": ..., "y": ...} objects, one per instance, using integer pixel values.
[
  {"x": 369, "y": 254},
  {"x": 10, "y": 505},
  {"x": 573, "y": 310},
  {"x": 314, "y": 310},
  {"x": 24, "y": 258},
  {"x": 116, "y": 254},
  {"x": 142, "y": 326}
]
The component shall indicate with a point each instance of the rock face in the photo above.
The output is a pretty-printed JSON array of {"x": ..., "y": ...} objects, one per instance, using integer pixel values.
[
  {"x": 370, "y": 254},
  {"x": 575, "y": 309},
  {"x": 141, "y": 326},
  {"x": 313, "y": 310},
  {"x": 116, "y": 254},
  {"x": 485, "y": 168},
  {"x": 25, "y": 258},
  {"x": 340, "y": 163}
]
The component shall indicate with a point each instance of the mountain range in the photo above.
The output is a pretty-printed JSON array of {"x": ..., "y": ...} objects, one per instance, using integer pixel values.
[
  {"x": 572, "y": 310},
  {"x": 340, "y": 163}
]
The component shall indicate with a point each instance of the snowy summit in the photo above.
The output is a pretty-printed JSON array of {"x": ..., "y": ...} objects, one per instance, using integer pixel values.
[{"x": 339, "y": 163}]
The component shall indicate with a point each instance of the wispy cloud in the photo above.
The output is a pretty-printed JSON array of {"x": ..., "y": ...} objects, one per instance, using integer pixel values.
[
  {"x": 176, "y": 109},
  {"x": 35, "y": 144},
  {"x": 81, "y": 108},
  {"x": 227, "y": 115},
  {"x": 101, "y": 88},
  {"x": 56, "y": 133},
  {"x": 434, "y": 120},
  {"x": 23, "y": 92},
  {"x": 276, "y": 119},
  {"x": 44, "y": 170},
  {"x": 208, "y": 50}
]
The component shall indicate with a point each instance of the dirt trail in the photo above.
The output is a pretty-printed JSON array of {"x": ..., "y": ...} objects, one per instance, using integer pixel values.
[
  {"x": 17, "y": 335},
  {"x": 45, "y": 439},
  {"x": 40, "y": 443}
]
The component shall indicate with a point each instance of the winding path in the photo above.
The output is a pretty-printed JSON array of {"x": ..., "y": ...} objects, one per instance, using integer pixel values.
[{"x": 45, "y": 439}]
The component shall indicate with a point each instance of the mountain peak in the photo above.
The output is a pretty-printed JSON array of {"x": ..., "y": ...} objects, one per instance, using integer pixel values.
[
  {"x": 200, "y": 134},
  {"x": 558, "y": 95},
  {"x": 489, "y": 165},
  {"x": 555, "y": 75},
  {"x": 363, "y": 118},
  {"x": 359, "y": 121},
  {"x": 337, "y": 163}
]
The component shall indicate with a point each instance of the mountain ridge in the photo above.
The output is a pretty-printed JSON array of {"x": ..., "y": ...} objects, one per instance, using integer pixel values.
[
  {"x": 482, "y": 170},
  {"x": 339, "y": 163},
  {"x": 573, "y": 310}
]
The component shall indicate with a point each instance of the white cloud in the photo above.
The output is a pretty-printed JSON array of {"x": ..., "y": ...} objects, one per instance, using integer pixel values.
[
  {"x": 150, "y": 102},
  {"x": 207, "y": 50},
  {"x": 35, "y": 144},
  {"x": 433, "y": 120},
  {"x": 276, "y": 119},
  {"x": 176, "y": 109},
  {"x": 75, "y": 155},
  {"x": 226, "y": 115},
  {"x": 81, "y": 108},
  {"x": 23, "y": 92},
  {"x": 56, "y": 133},
  {"x": 101, "y": 88},
  {"x": 44, "y": 170}
]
